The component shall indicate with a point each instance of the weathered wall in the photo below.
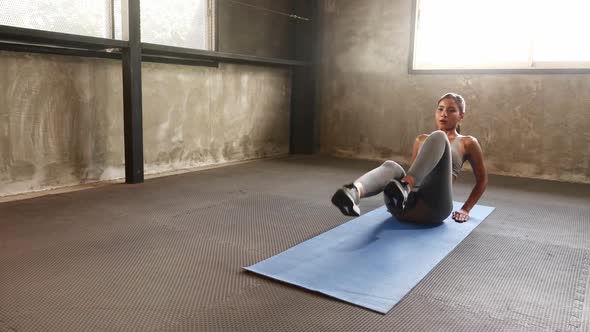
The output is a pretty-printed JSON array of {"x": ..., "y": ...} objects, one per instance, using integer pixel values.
[
  {"x": 61, "y": 118},
  {"x": 529, "y": 125},
  {"x": 198, "y": 115},
  {"x": 250, "y": 30}
]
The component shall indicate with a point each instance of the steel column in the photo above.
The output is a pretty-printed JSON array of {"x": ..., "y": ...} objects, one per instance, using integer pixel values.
[
  {"x": 132, "y": 110},
  {"x": 304, "y": 137}
]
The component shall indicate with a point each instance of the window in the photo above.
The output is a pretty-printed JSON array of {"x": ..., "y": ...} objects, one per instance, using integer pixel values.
[
  {"x": 501, "y": 34},
  {"x": 182, "y": 23},
  {"x": 81, "y": 17}
]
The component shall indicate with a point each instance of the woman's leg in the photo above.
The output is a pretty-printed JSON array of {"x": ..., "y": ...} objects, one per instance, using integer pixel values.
[
  {"x": 434, "y": 152},
  {"x": 371, "y": 183},
  {"x": 433, "y": 181}
]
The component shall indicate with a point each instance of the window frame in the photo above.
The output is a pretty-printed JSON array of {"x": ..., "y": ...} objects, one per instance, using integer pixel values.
[
  {"x": 531, "y": 67},
  {"x": 27, "y": 40}
]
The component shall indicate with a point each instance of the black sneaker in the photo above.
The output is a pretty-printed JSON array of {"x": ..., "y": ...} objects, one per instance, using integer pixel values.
[
  {"x": 347, "y": 199},
  {"x": 396, "y": 194}
]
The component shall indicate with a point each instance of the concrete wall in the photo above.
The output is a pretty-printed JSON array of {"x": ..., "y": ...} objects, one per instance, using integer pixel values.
[
  {"x": 61, "y": 118},
  {"x": 250, "y": 30},
  {"x": 529, "y": 125}
]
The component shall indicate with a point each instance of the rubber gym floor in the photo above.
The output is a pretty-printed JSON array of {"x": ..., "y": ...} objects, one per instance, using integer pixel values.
[{"x": 166, "y": 255}]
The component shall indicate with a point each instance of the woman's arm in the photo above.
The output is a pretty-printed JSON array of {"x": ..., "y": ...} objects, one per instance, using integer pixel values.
[{"x": 474, "y": 155}]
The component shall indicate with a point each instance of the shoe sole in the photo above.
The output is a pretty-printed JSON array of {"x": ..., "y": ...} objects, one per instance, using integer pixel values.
[
  {"x": 397, "y": 193},
  {"x": 346, "y": 204}
]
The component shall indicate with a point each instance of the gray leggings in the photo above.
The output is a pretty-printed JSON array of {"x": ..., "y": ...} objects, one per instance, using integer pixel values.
[{"x": 432, "y": 171}]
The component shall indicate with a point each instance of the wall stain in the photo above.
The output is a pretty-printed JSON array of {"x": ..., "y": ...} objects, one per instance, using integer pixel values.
[{"x": 63, "y": 125}]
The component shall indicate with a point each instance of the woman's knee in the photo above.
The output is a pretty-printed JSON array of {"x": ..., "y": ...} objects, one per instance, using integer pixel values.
[
  {"x": 395, "y": 167},
  {"x": 438, "y": 135}
]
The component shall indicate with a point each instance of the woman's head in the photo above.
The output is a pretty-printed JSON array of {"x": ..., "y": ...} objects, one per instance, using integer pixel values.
[{"x": 450, "y": 111}]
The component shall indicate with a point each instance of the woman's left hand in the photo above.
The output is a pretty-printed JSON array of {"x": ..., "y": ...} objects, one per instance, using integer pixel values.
[{"x": 460, "y": 216}]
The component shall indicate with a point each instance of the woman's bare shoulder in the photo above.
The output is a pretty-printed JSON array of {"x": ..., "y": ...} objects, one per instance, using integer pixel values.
[
  {"x": 468, "y": 140},
  {"x": 470, "y": 145}
]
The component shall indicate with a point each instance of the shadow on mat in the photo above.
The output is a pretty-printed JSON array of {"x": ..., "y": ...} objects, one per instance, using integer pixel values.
[{"x": 388, "y": 225}]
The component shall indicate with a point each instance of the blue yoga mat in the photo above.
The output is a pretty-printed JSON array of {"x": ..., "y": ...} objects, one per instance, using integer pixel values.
[{"x": 372, "y": 261}]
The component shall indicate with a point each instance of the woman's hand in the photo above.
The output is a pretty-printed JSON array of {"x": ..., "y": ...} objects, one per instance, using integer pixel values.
[{"x": 460, "y": 216}]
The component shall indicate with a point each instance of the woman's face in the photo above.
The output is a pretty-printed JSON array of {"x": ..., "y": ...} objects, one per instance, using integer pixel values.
[{"x": 447, "y": 114}]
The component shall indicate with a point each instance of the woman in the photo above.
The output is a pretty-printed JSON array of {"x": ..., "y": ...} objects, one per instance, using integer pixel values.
[{"x": 424, "y": 193}]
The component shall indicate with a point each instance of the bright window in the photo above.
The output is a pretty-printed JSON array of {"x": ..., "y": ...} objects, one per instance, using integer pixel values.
[
  {"x": 182, "y": 23},
  {"x": 81, "y": 17},
  {"x": 501, "y": 34}
]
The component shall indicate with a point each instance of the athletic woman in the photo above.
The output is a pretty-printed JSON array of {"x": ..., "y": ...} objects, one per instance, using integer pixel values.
[{"x": 424, "y": 194}]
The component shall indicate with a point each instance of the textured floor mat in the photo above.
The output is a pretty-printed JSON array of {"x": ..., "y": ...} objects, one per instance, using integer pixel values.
[{"x": 166, "y": 255}]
